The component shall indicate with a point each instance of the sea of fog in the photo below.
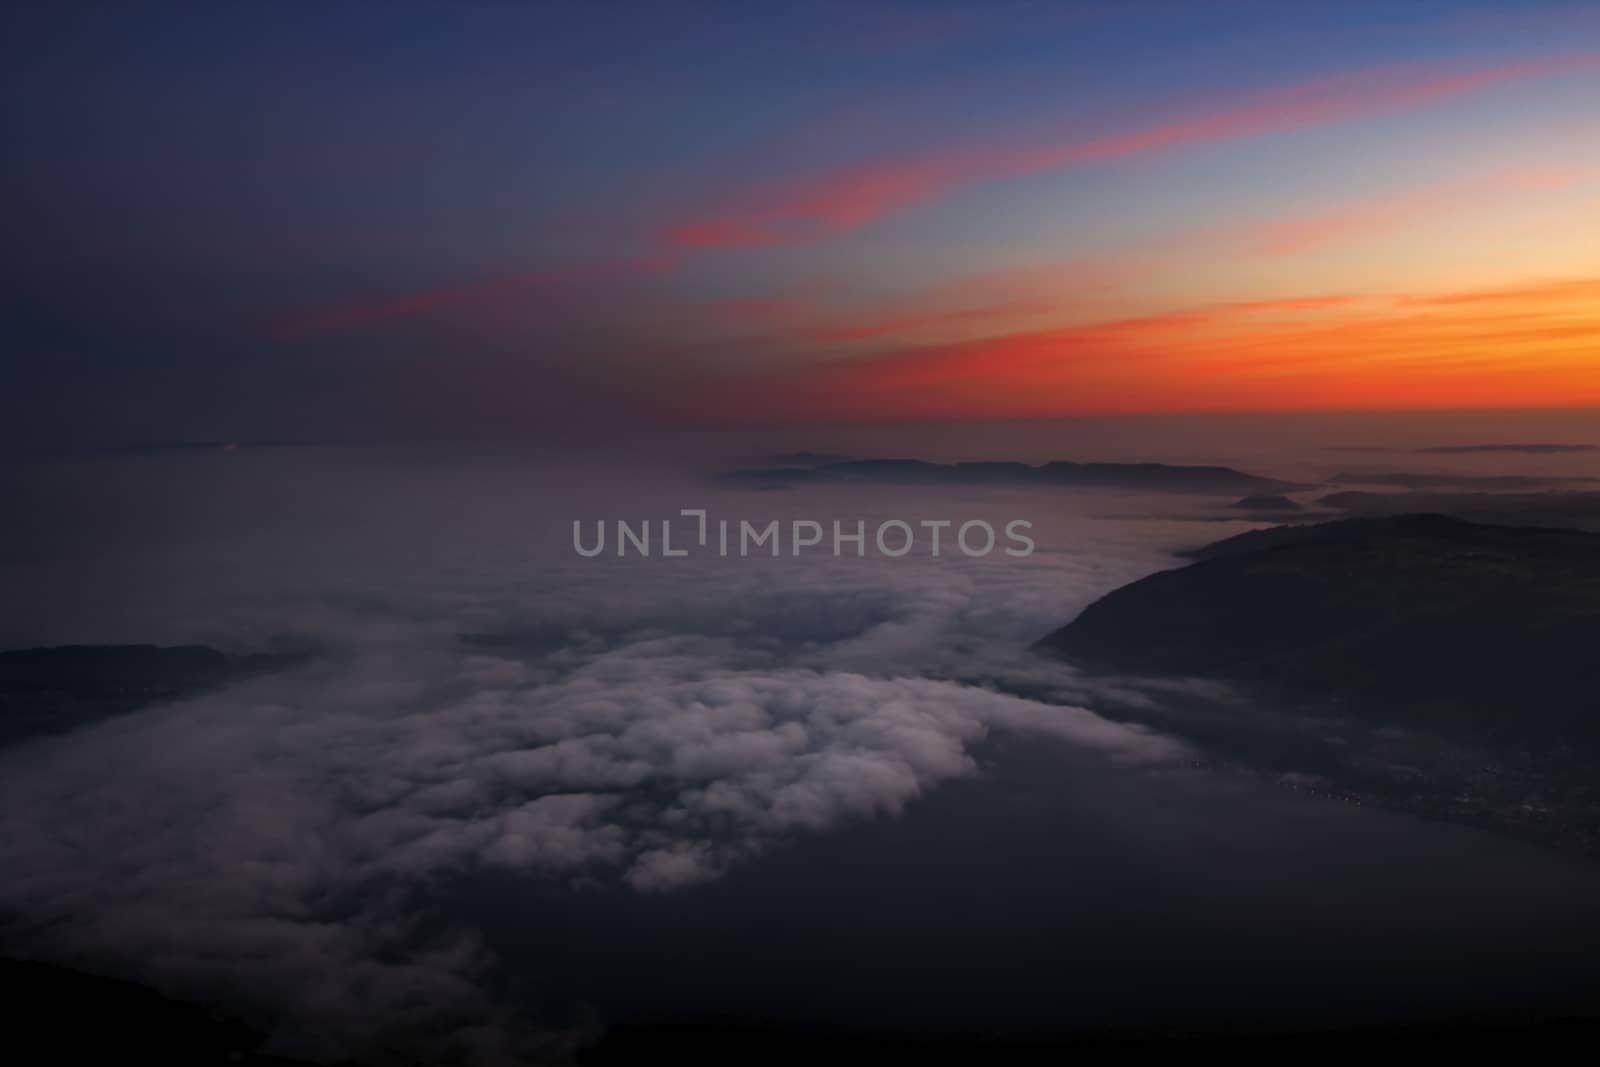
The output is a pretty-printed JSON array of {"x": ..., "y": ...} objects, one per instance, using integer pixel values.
[{"x": 508, "y": 794}]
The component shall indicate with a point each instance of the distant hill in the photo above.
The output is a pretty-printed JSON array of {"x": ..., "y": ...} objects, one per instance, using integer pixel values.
[
  {"x": 1488, "y": 483},
  {"x": 1540, "y": 449},
  {"x": 1411, "y": 619},
  {"x": 1160, "y": 477},
  {"x": 1439, "y": 666},
  {"x": 1265, "y": 502},
  {"x": 1553, "y": 508}
]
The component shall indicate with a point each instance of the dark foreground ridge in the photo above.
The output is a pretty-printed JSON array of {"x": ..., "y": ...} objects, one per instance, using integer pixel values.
[
  {"x": 1161, "y": 477},
  {"x": 1482, "y": 637},
  {"x": 83, "y": 1018},
  {"x": 714, "y": 1044},
  {"x": 49, "y": 690}
]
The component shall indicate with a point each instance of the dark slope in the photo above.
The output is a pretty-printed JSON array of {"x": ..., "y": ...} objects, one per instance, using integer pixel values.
[
  {"x": 1415, "y": 620},
  {"x": 65, "y": 1016},
  {"x": 714, "y": 1045},
  {"x": 1436, "y": 666},
  {"x": 1563, "y": 508}
]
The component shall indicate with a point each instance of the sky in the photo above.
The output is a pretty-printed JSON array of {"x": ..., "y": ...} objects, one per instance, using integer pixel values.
[{"x": 360, "y": 221}]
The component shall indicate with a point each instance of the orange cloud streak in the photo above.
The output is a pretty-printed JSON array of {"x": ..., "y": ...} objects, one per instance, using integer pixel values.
[
  {"x": 863, "y": 329},
  {"x": 1529, "y": 345}
]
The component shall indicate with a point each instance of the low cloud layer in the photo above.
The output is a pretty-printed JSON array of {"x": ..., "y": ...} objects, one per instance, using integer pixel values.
[{"x": 276, "y": 846}]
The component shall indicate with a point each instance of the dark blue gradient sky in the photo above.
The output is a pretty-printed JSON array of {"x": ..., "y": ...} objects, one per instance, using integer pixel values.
[{"x": 366, "y": 219}]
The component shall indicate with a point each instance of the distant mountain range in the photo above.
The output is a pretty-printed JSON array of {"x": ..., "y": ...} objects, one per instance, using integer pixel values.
[
  {"x": 1540, "y": 449},
  {"x": 1160, "y": 477},
  {"x": 1554, "y": 508}
]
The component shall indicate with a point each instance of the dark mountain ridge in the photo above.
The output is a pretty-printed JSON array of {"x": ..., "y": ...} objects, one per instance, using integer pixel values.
[
  {"x": 1421, "y": 662},
  {"x": 1418, "y": 619}
]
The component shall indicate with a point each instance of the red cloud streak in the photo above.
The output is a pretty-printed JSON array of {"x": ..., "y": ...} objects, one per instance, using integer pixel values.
[{"x": 850, "y": 197}]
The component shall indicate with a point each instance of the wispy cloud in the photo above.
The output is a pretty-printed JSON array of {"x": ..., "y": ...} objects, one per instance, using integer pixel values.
[
  {"x": 843, "y": 199},
  {"x": 1379, "y": 215}
]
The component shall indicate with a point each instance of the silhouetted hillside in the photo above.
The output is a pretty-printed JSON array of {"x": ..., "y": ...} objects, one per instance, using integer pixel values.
[
  {"x": 65, "y": 1016},
  {"x": 1420, "y": 620}
]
